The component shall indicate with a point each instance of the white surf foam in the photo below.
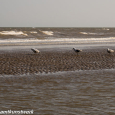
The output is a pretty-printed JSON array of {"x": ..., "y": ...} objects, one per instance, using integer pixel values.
[
  {"x": 83, "y": 33},
  {"x": 33, "y": 32},
  {"x": 47, "y": 32},
  {"x": 60, "y": 40},
  {"x": 105, "y": 28},
  {"x": 89, "y": 33},
  {"x": 17, "y": 40},
  {"x": 12, "y": 33},
  {"x": 81, "y": 40}
]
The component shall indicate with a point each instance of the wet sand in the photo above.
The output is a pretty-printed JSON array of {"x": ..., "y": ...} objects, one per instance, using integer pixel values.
[{"x": 51, "y": 61}]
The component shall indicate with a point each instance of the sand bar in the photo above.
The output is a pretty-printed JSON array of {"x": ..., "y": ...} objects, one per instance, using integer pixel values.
[{"x": 55, "y": 58}]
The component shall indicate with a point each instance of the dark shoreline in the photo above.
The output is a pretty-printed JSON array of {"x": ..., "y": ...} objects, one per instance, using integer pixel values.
[{"x": 18, "y": 63}]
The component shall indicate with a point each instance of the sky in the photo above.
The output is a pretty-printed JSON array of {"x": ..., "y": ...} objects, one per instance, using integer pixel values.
[{"x": 57, "y": 13}]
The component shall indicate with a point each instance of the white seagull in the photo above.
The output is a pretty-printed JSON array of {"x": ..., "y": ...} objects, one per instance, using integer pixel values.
[
  {"x": 35, "y": 50},
  {"x": 110, "y": 50},
  {"x": 77, "y": 50}
]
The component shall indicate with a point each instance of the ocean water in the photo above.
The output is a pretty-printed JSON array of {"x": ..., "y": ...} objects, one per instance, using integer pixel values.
[
  {"x": 56, "y": 35},
  {"x": 61, "y": 93}
]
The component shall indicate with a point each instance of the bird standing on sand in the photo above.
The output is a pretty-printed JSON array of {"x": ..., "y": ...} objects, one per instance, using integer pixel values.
[
  {"x": 110, "y": 50},
  {"x": 77, "y": 50},
  {"x": 35, "y": 50}
]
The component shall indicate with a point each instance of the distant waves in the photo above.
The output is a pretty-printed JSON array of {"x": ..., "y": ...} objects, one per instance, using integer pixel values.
[{"x": 56, "y": 35}]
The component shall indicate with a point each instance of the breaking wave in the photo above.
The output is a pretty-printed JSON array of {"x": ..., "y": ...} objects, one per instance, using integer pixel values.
[{"x": 57, "y": 40}]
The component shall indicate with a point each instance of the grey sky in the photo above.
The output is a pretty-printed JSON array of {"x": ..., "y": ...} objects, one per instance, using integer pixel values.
[{"x": 57, "y": 13}]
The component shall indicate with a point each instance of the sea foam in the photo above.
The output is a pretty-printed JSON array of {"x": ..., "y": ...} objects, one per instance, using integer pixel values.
[
  {"x": 12, "y": 33},
  {"x": 47, "y": 32},
  {"x": 57, "y": 40}
]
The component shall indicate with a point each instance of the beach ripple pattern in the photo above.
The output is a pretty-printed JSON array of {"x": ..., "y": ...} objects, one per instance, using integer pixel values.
[{"x": 50, "y": 62}]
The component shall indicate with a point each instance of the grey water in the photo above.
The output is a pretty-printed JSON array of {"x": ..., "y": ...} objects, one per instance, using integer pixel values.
[
  {"x": 58, "y": 32},
  {"x": 61, "y": 93}
]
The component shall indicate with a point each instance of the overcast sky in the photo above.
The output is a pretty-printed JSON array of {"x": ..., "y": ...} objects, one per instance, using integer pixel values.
[{"x": 57, "y": 13}]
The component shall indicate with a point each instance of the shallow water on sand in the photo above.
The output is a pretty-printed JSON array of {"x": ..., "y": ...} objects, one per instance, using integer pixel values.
[{"x": 64, "y": 93}]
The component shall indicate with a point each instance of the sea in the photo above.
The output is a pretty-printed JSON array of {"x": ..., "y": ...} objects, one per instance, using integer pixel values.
[{"x": 83, "y": 92}]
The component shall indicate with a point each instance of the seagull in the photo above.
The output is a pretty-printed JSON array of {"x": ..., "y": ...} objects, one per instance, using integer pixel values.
[
  {"x": 110, "y": 50},
  {"x": 35, "y": 50},
  {"x": 77, "y": 50}
]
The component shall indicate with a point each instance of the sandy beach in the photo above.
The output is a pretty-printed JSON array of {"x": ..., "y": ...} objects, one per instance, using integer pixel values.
[
  {"x": 56, "y": 54},
  {"x": 19, "y": 60}
]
